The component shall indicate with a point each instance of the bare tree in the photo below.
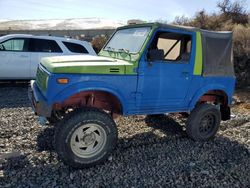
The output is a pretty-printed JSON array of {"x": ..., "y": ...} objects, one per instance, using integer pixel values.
[
  {"x": 224, "y": 6},
  {"x": 201, "y": 20},
  {"x": 182, "y": 20},
  {"x": 236, "y": 11},
  {"x": 98, "y": 42}
]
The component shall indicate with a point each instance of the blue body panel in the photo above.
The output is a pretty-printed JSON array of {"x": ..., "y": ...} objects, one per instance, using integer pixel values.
[
  {"x": 163, "y": 85},
  {"x": 158, "y": 87},
  {"x": 125, "y": 87},
  {"x": 170, "y": 86},
  {"x": 121, "y": 86}
]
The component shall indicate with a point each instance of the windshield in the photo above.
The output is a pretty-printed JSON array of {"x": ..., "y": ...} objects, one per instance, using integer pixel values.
[{"x": 129, "y": 40}]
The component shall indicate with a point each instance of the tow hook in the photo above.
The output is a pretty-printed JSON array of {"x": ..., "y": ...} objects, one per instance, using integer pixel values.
[{"x": 42, "y": 120}]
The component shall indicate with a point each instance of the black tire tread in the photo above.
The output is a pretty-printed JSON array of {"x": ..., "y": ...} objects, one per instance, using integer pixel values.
[
  {"x": 194, "y": 117},
  {"x": 74, "y": 116}
]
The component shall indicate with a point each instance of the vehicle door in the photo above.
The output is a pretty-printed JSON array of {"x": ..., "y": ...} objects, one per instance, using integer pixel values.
[
  {"x": 165, "y": 71},
  {"x": 15, "y": 59},
  {"x": 42, "y": 48}
]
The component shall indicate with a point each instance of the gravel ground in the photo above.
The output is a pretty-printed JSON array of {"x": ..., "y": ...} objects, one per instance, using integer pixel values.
[{"x": 150, "y": 152}]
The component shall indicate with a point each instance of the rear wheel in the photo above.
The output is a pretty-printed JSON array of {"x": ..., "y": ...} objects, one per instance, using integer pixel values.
[
  {"x": 203, "y": 122},
  {"x": 85, "y": 138}
]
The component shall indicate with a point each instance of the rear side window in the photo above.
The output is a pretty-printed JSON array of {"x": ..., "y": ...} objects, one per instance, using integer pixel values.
[
  {"x": 15, "y": 44},
  {"x": 44, "y": 45},
  {"x": 75, "y": 48}
]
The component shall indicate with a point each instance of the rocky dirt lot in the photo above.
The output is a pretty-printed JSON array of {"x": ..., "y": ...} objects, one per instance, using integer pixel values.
[{"x": 150, "y": 152}]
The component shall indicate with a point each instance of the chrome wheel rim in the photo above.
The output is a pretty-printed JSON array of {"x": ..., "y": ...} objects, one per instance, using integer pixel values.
[{"x": 88, "y": 140}]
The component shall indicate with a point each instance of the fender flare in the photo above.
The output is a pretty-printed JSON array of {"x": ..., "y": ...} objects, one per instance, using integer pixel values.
[
  {"x": 200, "y": 92},
  {"x": 88, "y": 86}
]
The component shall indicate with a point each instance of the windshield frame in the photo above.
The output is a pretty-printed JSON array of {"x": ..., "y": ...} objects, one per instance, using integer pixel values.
[{"x": 123, "y": 50}]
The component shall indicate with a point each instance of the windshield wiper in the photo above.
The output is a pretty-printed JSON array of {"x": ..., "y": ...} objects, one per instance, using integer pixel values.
[
  {"x": 116, "y": 52},
  {"x": 110, "y": 49},
  {"x": 124, "y": 50}
]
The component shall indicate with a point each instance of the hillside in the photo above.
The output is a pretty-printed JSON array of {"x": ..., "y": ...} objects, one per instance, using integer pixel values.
[{"x": 60, "y": 24}]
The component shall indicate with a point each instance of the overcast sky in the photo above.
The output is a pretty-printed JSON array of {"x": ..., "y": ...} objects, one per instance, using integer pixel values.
[{"x": 123, "y": 10}]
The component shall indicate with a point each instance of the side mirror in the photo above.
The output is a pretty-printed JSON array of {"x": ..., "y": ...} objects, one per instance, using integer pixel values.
[{"x": 155, "y": 54}]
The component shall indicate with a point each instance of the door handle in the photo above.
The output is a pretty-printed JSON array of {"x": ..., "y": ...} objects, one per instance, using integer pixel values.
[
  {"x": 24, "y": 56},
  {"x": 185, "y": 74}
]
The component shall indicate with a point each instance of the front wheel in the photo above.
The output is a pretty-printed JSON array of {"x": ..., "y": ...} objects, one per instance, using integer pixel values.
[
  {"x": 85, "y": 138},
  {"x": 203, "y": 122}
]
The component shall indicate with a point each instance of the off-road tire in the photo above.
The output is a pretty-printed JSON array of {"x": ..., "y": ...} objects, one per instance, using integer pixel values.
[
  {"x": 203, "y": 122},
  {"x": 66, "y": 129}
]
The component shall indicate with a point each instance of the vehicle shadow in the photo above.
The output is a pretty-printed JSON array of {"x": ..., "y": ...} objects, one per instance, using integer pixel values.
[
  {"x": 167, "y": 124},
  {"x": 9, "y": 84},
  {"x": 45, "y": 139},
  {"x": 13, "y": 95}
]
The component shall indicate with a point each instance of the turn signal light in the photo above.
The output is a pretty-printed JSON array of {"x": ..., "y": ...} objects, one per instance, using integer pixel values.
[{"x": 62, "y": 80}]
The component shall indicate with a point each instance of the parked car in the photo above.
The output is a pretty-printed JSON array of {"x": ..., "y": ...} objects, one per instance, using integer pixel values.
[
  {"x": 20, "y": 54},
  {"x": 144, "y": 69}
]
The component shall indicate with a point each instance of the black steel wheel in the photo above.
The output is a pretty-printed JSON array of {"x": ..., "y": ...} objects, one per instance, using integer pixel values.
[{"x": 203, "y": 122}]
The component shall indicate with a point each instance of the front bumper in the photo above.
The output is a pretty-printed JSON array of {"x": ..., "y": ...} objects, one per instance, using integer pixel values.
[{"x": 39, "y": 104}]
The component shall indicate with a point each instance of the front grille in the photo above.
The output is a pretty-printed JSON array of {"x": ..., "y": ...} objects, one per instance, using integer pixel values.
[{"x": 41, "y": 78}]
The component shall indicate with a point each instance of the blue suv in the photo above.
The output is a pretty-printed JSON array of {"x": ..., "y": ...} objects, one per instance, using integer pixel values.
[{"x": 145, "y": 69}]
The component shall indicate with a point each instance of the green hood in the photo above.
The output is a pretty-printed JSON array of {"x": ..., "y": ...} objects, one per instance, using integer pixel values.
[{"x": 78, "y": 64}]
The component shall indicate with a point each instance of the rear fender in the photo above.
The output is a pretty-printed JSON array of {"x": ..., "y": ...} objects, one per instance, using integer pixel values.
[{"x": 206, "y": 89}]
